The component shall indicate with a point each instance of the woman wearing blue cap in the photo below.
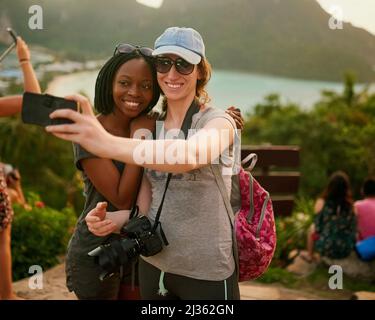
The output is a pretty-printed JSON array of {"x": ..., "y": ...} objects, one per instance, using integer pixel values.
[{"x": 199, "y": 261}]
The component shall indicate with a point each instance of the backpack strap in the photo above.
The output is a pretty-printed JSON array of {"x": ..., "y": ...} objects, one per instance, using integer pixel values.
[{"x": 216, "y": 169}]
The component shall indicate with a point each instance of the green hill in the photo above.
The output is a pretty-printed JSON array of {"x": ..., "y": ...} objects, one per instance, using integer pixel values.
[{"x": 280, "y": 37}]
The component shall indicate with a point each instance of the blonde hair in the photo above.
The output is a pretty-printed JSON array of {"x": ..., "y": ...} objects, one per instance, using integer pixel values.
[{"x": 204, "y": 67}]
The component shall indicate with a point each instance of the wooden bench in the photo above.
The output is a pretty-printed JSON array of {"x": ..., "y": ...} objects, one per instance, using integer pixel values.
[{"x": 277, "y": 171}]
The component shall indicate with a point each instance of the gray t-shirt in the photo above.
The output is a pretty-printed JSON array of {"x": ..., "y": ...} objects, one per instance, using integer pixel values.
[
  {"x": 83, "y": 240},
  {"x": 194, "y": 218}
]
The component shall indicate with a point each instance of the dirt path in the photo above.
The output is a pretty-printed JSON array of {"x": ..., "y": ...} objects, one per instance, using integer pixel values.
[
  {"x": 54, "y": 289},
  {"x": 53, "y": 286}
]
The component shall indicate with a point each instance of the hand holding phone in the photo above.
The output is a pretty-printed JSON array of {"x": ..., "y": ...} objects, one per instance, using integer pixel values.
[{"x": 36, "y": 108}]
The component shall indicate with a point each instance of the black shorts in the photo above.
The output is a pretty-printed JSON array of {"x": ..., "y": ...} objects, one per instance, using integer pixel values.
[
  {"x": 184, "y": 288},
  {"x": 82, "y": 277}
]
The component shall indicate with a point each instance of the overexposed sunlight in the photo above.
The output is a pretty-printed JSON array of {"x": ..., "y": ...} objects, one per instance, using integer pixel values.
[
  {"x": 359, "y": 13},
  {"x": 151, "y": 3}
]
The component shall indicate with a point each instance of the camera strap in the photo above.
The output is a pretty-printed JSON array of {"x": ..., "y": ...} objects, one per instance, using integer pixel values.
[
  {"x": 135, "y": 209},
  {"x": 186, "y": 124}
]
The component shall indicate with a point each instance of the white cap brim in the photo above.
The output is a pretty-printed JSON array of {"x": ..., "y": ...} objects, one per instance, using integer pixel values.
[{"x": 186, "y": 54}]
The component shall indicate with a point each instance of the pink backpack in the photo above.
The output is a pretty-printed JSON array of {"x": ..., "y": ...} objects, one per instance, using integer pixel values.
[{"x": 254, "y": 223}]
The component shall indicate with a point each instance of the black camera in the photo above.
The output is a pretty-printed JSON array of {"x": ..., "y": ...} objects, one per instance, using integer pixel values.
[{"x": 139, "y": 238}]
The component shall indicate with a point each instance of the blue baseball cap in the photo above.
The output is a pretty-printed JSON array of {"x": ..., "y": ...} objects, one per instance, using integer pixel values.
[{"x": 187, "y": 43}]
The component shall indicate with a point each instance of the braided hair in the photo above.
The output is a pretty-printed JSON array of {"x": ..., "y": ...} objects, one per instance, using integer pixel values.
[{"x": 103, "y": 101}]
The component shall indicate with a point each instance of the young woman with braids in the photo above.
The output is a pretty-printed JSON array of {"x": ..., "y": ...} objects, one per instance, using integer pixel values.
[{"x": 126, "y": 88}]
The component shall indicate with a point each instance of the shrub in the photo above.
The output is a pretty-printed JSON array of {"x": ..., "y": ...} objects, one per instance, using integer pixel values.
[
  {"x": 39, "y": 235},
  {"x": 292, "y": 232}
]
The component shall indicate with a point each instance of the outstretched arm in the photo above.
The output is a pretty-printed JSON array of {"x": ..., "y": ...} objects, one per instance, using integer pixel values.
[
  {"x": 13, "y": 104},
  {"x": 30, "y": 81},
  {"x": 197, "y": 151},
  {"x": 10, "y": 105}
]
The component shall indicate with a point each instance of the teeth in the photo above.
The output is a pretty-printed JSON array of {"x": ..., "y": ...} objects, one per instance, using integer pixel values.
[
  {"x": 173, "y": 86},
  {"x": 132, "y": 104}
]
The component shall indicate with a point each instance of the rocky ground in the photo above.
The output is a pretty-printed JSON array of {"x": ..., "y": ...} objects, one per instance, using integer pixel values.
[{"x": 54, "y": 289}]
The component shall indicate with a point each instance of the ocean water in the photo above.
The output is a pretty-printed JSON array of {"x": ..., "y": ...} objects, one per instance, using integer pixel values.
[{"x": 226, "y": 88}]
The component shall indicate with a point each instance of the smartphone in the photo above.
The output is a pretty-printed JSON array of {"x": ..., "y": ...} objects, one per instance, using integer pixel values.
[{"x": 36, "y": 109}]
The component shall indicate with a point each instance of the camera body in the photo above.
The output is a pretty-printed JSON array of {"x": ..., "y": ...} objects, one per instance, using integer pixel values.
[{"x": 139, "y": 239}]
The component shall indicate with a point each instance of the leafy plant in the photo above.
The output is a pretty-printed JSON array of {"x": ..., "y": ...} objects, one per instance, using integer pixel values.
[
  {"x": 292, "y": 232},
  {"x": 336, "y": 134},
  {"x": 39, "y": 235}
]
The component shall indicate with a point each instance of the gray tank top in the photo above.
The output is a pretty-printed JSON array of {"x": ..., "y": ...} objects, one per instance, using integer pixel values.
[{"x": 194, "y": 218}]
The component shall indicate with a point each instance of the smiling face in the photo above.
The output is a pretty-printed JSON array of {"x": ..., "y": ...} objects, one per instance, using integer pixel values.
[
  {"x": 177, "y": 86},
  {"x": 132, "y": 88}
]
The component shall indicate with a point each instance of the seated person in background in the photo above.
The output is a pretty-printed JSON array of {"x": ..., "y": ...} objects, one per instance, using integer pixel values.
[
  {"x": 333, "y": 233},
  {"x": 365, "y": 210}
]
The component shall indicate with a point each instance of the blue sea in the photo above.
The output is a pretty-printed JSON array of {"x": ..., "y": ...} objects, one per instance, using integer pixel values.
[{"x": 226, "y": 88}]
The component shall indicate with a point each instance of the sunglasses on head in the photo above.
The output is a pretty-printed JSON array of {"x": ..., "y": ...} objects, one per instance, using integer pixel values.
[
  {"x": 164, "y": 64},
  {"x": 129, "y": 48}
]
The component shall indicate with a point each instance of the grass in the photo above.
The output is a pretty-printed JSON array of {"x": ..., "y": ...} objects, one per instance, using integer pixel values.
[{"x": 316, "y": 283}]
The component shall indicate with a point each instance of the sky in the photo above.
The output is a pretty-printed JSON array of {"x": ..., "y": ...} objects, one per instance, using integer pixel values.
[
  {"x": 360, "y": 13},
  {"x": 151, "y": 3}
]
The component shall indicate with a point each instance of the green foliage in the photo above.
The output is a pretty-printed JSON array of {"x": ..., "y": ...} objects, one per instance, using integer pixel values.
[
  {"x": 316, "y": 282},
  {"x": 45, "y": 162},
  {"x": 254, "y": 35},
  {"x": 39, "y": 235},
  {"x": 278, "y": 275},
  {"x": 292, "y": 231},
  {"x": 336, "y": 134}
]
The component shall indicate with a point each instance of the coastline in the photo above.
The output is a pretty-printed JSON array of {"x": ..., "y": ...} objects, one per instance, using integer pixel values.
[
  {"x": 244, "y": 90},
  {"x": 82, "y": 82}
]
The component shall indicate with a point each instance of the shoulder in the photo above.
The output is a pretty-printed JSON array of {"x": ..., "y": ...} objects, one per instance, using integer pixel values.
[
  {"x": 145, "y": 121},
  {"x": 319, "y": 205},
  {"x": 209, "y": 114},
  {"x": 80, "y": 154},
  {"x": 361, "y": 203}
]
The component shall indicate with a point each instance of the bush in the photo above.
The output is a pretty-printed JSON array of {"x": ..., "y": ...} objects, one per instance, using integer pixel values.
[
  {"x": 337, "y": 133},
  {"x": 292, "y": 232},
  {"x": 39, "y": 235}
]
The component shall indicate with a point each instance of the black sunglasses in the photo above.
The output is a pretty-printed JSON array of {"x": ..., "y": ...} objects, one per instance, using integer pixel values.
[
  {"x": 164, "y": 64},
  {"x": 129, "y": 48}
]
